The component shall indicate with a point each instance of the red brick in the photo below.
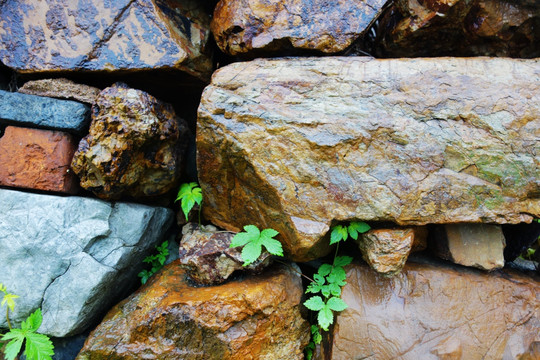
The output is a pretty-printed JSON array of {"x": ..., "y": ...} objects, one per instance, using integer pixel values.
[{"x": 37, "y": 159}]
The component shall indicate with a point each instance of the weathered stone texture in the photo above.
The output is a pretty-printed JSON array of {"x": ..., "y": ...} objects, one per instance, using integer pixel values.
[
  {"x": 43, "y": 112},
  {"x": 254, "y": 318},
  {"x": 134, "y": 148},
  {"x": 72, "y": 256},
  {"x": 254, "y": 26},
  {"x": 37, "y": 159},
  {"x": 437, "y": 312},
  {"x": 62, "y": 89},
  {"x": 121, "y": 35},
  {"x": 294, "y": 144}
]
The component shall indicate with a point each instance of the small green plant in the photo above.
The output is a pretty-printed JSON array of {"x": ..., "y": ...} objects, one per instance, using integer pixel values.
[
  {"x": 253, "y": 241},
  {"x": 36, "y": 346},
  {"x": 156, "y": 261},
  {"x": 189, "y": 194}
]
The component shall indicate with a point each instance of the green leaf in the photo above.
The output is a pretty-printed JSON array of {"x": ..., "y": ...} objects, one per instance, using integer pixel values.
[
  {"x": 337, "y": 234},
  {"x": 189, "y": 194},
  {"x": 316, "y": 334},
  {"x": 251, "y": 252},
  {"x": 314, "y": 303},
  {"x": 324, "y": 269},
  {"x": 273, "y": 246},
  {"x": 335, "y": 289},
  {"x": 269, "y": 233},
  {"x": 313, "y": 288},
  {"x": 325, "y": 290},
  {"x": 253, "y": 231},
  {"x": 13, "y": 347},
  {"x": 33, "y": 321},
  {"x": 240, "y": 239},
  {"x": 9, "y": 300},
  {"x": 38, "y": 347},
  {"x": 3, "y": 288},
  {"x": 336, "y": 304},
  {"x": 342, "y": 260},
  {"x": 357, "y": 227},
  {"x": 337, "y": 276},
  {"x": 325, "y": 318}
]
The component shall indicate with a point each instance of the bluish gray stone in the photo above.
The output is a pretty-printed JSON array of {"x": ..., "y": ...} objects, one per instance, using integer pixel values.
[
  {"x": 43, "y": 112},
  {"x": 73, "y": 256}
]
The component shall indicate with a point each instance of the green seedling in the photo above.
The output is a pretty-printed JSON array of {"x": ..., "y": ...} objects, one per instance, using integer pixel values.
[
  {"x": 156, "y": 261},
  {"x": 253, "y": 241},
  {"x": 189, "y": 194}
]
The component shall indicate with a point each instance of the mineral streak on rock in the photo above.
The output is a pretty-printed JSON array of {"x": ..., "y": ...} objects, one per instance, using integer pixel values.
[
  {"x": 61, "y": 88},
  {"x": 296, "y": 144}
]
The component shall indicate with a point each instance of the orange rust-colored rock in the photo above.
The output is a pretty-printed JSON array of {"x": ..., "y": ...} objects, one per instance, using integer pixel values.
[
  {"x": 37, "y": 159},
  {"x": 438, "y": 311},
  {"x": 256, "y": 317}
]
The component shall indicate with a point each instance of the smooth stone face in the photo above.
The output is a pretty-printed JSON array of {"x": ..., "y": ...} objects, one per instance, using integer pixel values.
[
  {"x": 43, "y": 112},
  {"x": 477, "y": 245},
  {"x": 294, "y": 144},
  {"x": 134, "y": 148},
  {"x": 258, "y": 26},
  {"x": 437, "y": 311},
  {"x": 37, "y": 159},
  {"x": 62, "y": 89},
  {"x": 72, "y": 256},
  {"x": 257, "y": 317},
  {"x": 120, "y": 35}
]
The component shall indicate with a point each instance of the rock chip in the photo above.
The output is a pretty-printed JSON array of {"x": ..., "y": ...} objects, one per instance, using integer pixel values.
[
  {"x": 123, "y": 35},
  {"x": 61, "y": 88},
  {"x": 37, "y": 159},
  {"x": 257, "y": 26},
  {"x": 43, "y": 112},
  {"x": 477, "y": 245},
  {"x": 295, "y": 144},
  {"x": 134, "y": 147},
  {"x": 254, "y": 318},
  {"x": 437, "y": 311},
  {"x": 207, "y": 258},
  {"x": 72, "y": 256}
]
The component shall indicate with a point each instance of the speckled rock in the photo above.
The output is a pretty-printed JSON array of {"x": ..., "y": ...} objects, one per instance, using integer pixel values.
[
  {"x": 62, "y": 89},
  {"x": 295, "y": 144},
  {"x": 257, "y": 26},
  {"x": 37, "y": 159},
  {"x": 121, "y": 35},
  {"x": 135, "y": 145},
  {"x": 207, "y": 258},
  {"x": 254, "y": 318},
  {"x": 438, "y": 311}
]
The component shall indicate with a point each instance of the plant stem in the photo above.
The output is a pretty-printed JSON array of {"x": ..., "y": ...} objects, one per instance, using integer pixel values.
[
  {"x": 296, "y": 271},
  {"x": 7, "y": 318}
]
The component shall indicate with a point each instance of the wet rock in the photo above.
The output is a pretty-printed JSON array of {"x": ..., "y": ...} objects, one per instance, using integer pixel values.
[
  {"x": 134, "y": 148},
  {"x": 254, "y": 26},
  {"x": 207, "y": 258},
  {"x": 43, "y": 112},
  {"x": 386, "y": 250},
  {"x": 254, "y": 318},
  {"x": 301, "y": 143},
  {"x": 37, "y": 159},
  {"x": 460, "y": 28},
  {"x": 72, "y": 256},
  {"x": 437, "y": 311},
  {"x": 477, "y": 245},
  {"x": 62, "y": 89},
  {"x": 124, "y": 36}
]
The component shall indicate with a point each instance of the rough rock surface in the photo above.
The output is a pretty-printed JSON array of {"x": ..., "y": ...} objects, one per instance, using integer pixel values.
[
  {"x": 386, "y": 250},
  {"x": 477, "y": 245},
  {"x": 207, "y": 257},
  {"x": 72, "y": 256},
  {"x": 123, "y": 35},
  {"x": 437, "y": 311},
  {"x": 37, "y": 159},
  {"x": 460, "y": 28},
  {"x": 43, "y": 112},
  {"x": 61, "y": 88},
  {"x": 135, "y": 145},
  {"x": 254, "y": 318},
  {"x": 294, "y": 144},
  {"x": 255, "y": 26}
]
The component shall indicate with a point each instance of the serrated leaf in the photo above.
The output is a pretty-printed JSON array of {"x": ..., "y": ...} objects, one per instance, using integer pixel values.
[
  {"x": 337, "y": 276},
  {"x": 325, "y": 318},
  {"x": 187, "y": 204},
  {"x": 342, "y": 260},
  {"x": 9, "y": 300},
  {"x": 316, "y": 334},
  {"x": 38, "y": 347},
  {"x": 335, "y": 289},
  {"x": 33, "y": 321},
  {"x": 253, "y": 231},
  {"x": 269, "y": 233},
  {"x": 313, "y": 288},
  {"x": 240, "y": 239},
  {"x": 185, "y": 189},
  {"x": 3, "y": 288},
  {"x": 314, "y": 303},
  {"x": 319, "y": 279},
  {"x": 273, "y": 246},
  {"x": 12, "y": 348},
  {"x": 336, "y": 235},
  {"x": 357, "y": 227},
  {"x": 324, "y": 269},
  {"x": 251, "y": 252},
  {"x": 336, "y": 304},
  {"x": 325, "y": 290}
]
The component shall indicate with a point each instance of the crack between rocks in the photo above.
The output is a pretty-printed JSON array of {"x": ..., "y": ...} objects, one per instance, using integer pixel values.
[{"x": 50, "y": 283}]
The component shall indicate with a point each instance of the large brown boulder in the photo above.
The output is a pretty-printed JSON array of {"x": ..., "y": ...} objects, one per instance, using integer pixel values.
[
  {"x": 124, "y": 35},
  {"x": 252, "y": 27},
  {"x": 437, "y": 311},
  {"x": 134, "y": 148},
  {"x": 297, "y": 144},
  {"x": 254, "y": 318}
]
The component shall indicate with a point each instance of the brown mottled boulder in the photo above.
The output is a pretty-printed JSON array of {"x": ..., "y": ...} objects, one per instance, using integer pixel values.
[
  {"x": 207, "y": 258},
  {"x": 254, "y": 318},
  {"x": 437, "y": 311},
  {"x": 258, "y": 26},
  {"x": 477, "y": 245},
  {"x": 124, "y": 35},
  {"x": 134, "y": 148},
  {"x": 37, "y": 159},
  {"x": 62, "y": 89},
  {"x": 460, "y": 28},
  {"x": 295, "y": 144}
]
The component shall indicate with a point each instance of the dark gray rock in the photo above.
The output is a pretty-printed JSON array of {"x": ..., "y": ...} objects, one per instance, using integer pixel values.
[
  {"x": 43, "y": 112},
  {"x": 72, "y": 256}
]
